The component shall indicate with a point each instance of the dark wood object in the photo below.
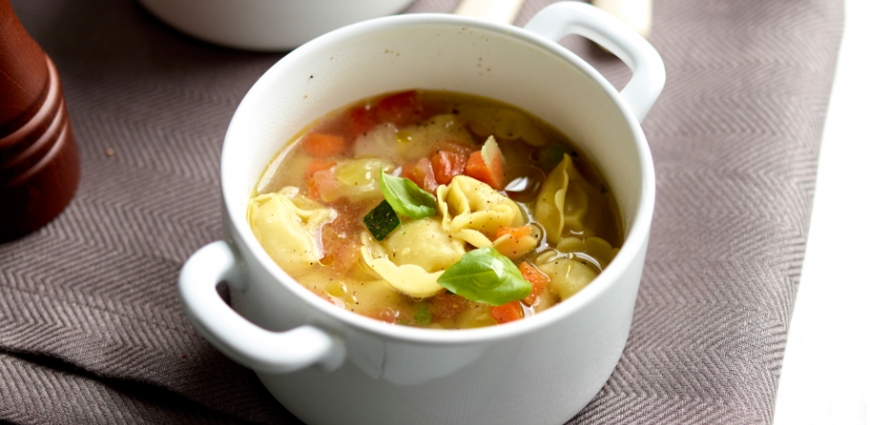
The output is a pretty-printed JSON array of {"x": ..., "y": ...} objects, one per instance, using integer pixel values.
[{"x": 39, "y": 164}]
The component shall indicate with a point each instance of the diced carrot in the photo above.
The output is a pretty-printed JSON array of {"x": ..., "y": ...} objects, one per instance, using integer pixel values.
[
  {"x": 494, "y": 161},
  {"x": 323, "y": 145},
  {"x": 516, "y": 232},
  {"x": 477, "y": 168},
  {"x": 446, "y": 165},
  {"x": 513, "y": 246},
  {"x": 507, "y": 312},
  {"x": 401, "y": 109},
  {"x": 420, "y": 172},
  {"x": 538, "y": 279},
  {"x": 362, "y": 119}
]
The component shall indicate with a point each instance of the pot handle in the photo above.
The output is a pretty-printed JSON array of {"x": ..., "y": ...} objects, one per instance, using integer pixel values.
[
  {"x": 246, "y": 343},
  {"x": 564, "y": 18}
]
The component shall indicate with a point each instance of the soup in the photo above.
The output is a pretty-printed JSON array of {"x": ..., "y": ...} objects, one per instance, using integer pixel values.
[{"x": 436, "y": 209}]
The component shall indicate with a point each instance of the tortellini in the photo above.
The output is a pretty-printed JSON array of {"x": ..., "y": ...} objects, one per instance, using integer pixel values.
[
  {"x": 562, "y": 201},
  {"x": 568, "y": 274},
  {"x": 423, "y": 242},
  {"x": 574, "y": 263},
  {"x": 288, "y": 227},
  {"x": 596, "y": 249},
  {"x": 473, "y": 211},
  {"x": 413, "y": 257},
  {"x": 379, "y": 249}
]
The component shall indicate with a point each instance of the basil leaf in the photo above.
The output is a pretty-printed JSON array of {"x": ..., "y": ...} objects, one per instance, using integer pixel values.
[
  {"x": 406, "y": 197},
  {"x": 486, "y": 276},
  {"x": 381, "y": 220}
]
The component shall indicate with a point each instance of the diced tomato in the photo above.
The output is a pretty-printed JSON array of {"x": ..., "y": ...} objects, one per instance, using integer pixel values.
[
  {"x": 323, "y": 185},
  {"x": 507, "y": 312},
  {"x": 446, "y": 306},
  {"x": 341, "y": 250},
  {"x": 400, "y": 109},
  {"x": 313, "y": 190},
  {"x": 396, "y": 315},
  {"x": 476, "y": 167},
  {"x": 446, "y": 165},
  {"x": 339, "y": 237},
  {"x": 362, "y": 119},
  {"x": 318, "y": 164},
  {"x": 318, "y": 173},
  {"x": 323, "y": 145},
  {"x": 538, "y": 279},
  {"x": 421, "y": 173},
  {"x": 387, "y": 315}
]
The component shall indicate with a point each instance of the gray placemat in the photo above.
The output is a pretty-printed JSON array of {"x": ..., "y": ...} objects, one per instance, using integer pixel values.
[{"x": 91, "y": 330}]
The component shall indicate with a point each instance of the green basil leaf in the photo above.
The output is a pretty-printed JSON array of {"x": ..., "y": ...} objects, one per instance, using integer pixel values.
[
  {"x": 486, "y": 276},
  {"x": 381, "y": 220},
  {"x": 406, "y": 197}
]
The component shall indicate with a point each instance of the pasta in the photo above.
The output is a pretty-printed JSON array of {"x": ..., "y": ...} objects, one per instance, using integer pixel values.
[
  {"x": 413, "y": 257},
  {"x": 437, "y": 210},
  {"x": 287, "y": 231},
  {"x": 472, "y": 211}
]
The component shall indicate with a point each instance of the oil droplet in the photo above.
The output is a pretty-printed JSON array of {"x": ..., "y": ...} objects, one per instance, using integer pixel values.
[
  {"x": 336, "y": 288},
  {"x": 404, "y": 136}
]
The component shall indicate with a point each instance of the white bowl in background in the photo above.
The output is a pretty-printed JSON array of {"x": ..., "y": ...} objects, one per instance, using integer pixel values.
[{"x": 267, "y": 25}]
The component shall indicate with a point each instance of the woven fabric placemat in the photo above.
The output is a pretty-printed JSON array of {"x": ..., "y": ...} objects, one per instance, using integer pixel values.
[{"x": 91, "y": 330}]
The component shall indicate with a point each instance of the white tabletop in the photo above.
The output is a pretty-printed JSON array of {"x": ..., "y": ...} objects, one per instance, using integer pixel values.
[{"x": 826, "y": 371}]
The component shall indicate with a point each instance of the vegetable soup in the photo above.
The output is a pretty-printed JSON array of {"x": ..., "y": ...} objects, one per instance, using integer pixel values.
[{"x": 436, "y": 209}]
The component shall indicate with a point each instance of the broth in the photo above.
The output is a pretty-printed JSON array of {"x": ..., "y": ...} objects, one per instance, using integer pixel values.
[{"x": 503, "y": 220}]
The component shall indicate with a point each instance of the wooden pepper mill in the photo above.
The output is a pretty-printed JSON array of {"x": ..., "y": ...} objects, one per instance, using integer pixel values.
[{"x": 39, "y": 164}]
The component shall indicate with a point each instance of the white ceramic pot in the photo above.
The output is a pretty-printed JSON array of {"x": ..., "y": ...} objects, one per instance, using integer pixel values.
[
  {"x": 266, "y": 24},
  {"x": 331, "y": 366}
]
